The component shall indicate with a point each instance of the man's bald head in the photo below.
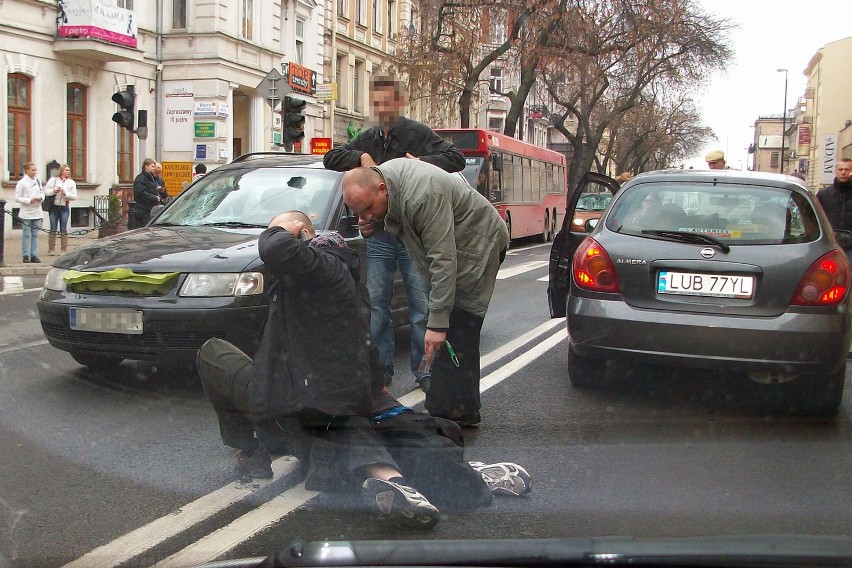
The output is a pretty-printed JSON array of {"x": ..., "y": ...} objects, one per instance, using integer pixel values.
[
  {"x": 365, "y": 193},
  {"x": 287, "y": 216}
]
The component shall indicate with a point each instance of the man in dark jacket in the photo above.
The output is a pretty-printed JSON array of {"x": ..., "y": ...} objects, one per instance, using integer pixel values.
[
  {"x": 145, "y": 194},
  {"x": 395, "y": 137},
  {"x": 310, "y": 380},
  {"x": 836, "y": 199}
]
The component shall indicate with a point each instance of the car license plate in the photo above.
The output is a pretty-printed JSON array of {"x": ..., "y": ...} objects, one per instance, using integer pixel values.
[
  {"x": 715, "y": 285},
  {"x": 106, "y": 320}
]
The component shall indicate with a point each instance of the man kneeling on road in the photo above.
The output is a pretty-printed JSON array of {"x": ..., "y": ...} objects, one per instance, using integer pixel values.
[{"x": 310, "y": 383}]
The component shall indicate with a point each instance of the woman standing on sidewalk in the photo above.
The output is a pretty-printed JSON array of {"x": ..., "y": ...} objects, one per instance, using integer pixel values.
[
  {"x": 29, "y": 193},
  {"x": 64, "y": 190}
]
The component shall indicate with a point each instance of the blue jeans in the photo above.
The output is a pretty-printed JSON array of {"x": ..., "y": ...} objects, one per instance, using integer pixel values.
[
  {"x": 59, "y": 219},
  {"x": 29, "y": 236},
  {"x": 384, "y": 254}
]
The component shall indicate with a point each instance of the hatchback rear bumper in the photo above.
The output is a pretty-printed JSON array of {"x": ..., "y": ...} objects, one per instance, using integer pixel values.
[{"x": 801, "y": 343}]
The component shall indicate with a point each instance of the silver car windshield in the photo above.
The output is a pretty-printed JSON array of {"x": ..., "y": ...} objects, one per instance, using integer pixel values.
[
  {"x": 737, "y": 214},
  {"x": 254, "y": 197}
]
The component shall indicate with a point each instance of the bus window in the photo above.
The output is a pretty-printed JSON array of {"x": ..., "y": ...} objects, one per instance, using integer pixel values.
[
  {"x": 476, "y": 174},
  {"x": 508, "y": 178}
]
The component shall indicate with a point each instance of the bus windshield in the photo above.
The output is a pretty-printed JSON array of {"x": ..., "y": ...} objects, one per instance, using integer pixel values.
[{"x": 476, "y": 174}]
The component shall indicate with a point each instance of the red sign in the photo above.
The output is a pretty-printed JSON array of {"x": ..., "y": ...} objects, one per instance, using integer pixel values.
[
  {"x": 320, "y": 145},
  {"x": 301, "y": 79},
  {"x": 804, "y": 135}
]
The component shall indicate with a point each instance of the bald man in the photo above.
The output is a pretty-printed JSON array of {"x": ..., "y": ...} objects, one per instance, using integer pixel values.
[{"x": 457, "y": 240}]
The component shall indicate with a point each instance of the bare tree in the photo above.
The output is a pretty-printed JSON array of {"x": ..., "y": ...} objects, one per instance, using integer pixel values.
[{"x": 609, "y": 52}]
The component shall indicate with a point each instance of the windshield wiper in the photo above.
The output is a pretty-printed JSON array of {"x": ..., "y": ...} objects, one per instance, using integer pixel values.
[
  {"x": 695, "y": 238},
  {"x": 237, "y": 224}
]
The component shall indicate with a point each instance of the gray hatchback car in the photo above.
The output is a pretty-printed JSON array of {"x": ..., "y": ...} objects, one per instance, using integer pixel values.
[{"x": 710, "y": 269}]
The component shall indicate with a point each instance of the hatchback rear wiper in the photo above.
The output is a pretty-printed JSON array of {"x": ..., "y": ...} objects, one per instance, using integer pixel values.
[
  {"x": 237, "y": 224},
  {"x": 684, "y": 237}
]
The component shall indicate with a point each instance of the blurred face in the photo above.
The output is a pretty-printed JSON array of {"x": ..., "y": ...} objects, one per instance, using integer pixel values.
[
  {"x": 387, "y": 106},
  {"x": 844, "y": 171},
  {"x": 716, "y": 164},
  {"x": 65, "y": 173},
  {"x": 150, "y": 168},
  {"x": 30, "y": 171}
]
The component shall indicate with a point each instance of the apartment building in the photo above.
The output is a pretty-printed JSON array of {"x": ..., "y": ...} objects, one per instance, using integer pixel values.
[{"x": 767, "y": 145}]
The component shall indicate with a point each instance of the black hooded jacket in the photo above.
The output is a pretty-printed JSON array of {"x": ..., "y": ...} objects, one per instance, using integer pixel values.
[
  {"x": 835, "y": 200},
  {"x": 314, "y": 347}
]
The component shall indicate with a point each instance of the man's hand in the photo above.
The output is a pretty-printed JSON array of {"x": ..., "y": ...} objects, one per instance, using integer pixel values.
[
  {"x": 290, "y": 225},
  {"x": 367, "y": 228},
  {"x": 411, "y": 156},
  {"x": 432, "y": 342},
  {"x": 367, "y": 160}
]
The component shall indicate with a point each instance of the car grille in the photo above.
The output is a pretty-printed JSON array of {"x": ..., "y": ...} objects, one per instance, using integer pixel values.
[{"x": 184, "y": 340}]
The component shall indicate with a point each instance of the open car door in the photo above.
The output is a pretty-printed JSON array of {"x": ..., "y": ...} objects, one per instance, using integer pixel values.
[{"x": 568, "y": 239}]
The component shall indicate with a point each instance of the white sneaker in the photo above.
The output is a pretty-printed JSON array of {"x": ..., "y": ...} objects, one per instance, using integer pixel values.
[
  {"x": 504, "y": 478},
  {"x": 396, "y": 499}
]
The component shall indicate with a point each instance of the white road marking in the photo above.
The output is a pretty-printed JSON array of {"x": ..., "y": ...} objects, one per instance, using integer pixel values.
[
  {"x": 521, "y": 268},
  {"x": 227, "y": 538},
  {"x": 23, "y": 346},
  {"x": 15, "y": 290},
  {"x": 139, "y": 541},
  {"x": 514, "y": 251},
  {"x": 544, "y": 279}
]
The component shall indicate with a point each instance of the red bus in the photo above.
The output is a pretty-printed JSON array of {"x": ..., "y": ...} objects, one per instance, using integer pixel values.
[{"x": 526, "y": 183}]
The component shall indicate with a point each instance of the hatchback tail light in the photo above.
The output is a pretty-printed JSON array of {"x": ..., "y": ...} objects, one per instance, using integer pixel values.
[
  {"x": 592, "y": 268},
  {"x": 826, "y": 282}
]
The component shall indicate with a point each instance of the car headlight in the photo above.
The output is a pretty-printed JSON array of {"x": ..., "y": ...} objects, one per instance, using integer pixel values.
[
  {"x": 579, "y": 222},
  {"x": 54, "y": 280},
  {"x": 222, "y": 284}
]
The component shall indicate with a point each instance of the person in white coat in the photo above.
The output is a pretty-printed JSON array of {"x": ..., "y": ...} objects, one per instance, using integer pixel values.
[
  {"x": 29, "y": 193},
  {"x": 64, "y": 191}
]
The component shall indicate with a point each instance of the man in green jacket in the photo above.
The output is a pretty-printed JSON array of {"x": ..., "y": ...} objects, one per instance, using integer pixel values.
[{"x": 457, "y": 240}]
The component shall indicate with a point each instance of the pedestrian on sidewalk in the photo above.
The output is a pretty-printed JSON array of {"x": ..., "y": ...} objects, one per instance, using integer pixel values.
[
  {"x": 30, "y": 194},
  {"x": 64, "y": 191},
  {"x": 146, "y": 194}
]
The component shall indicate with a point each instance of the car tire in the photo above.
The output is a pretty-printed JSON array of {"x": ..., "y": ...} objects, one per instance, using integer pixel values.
[
  {"x": 509, "y": 227},
  {"x": 553, "y": 226},
  {"x": 544, "y": 237},
  {"x": 584, "y": 372},
  {"x": 97, "y": 363},
  {"x": 818, "y": 395}
]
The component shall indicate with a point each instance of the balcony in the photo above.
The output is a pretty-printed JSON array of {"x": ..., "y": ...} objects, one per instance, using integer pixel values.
[
  {"x": 809, "y": 93},
  {"x": 95, "y": 50}
]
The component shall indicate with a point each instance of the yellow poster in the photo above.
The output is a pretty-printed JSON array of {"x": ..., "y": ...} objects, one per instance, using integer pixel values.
[{"x": 174, "y": 174}]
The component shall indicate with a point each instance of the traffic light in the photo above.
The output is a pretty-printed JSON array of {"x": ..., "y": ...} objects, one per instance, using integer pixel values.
[
  {"x": 127, "y": 101},
  {"x": 293, "y": 120}
]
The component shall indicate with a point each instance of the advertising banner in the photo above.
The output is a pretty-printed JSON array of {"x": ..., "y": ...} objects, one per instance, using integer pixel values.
[
  {"x": 828, "y": 160},
  {"x": 94, "y": 20},
  {"x": 320, "y": 145},
  {"x": 174, "y": 174},
  {"x": 178, "y": 107},
  {"x": 301, "y": 79}
]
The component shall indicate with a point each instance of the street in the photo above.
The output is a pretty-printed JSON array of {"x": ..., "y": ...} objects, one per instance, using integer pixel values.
[{"x": 130, "y": 470}]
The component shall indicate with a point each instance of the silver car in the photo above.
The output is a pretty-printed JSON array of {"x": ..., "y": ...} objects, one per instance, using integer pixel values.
[{"x": 710, "y": 269}]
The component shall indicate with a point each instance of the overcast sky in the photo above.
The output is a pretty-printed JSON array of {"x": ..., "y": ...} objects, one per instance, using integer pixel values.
[{"x": 771, "y": 35}]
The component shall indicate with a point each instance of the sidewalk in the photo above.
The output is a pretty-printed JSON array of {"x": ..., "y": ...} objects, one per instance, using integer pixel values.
[{"x": 13, "y": 261}]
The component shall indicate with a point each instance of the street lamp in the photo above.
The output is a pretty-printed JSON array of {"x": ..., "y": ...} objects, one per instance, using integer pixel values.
[{"x": 783, "y": 122}]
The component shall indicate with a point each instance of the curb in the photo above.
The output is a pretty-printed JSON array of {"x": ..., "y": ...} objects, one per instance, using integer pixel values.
[{"x": 25, "y": 270}]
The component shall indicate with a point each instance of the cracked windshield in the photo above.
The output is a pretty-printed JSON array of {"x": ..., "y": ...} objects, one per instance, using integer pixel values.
[{"x": 425, "y": 282}]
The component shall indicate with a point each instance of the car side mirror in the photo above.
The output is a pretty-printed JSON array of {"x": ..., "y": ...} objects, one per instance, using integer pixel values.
[
  {"x": 348, "y": 226},
  {"x": 497, "y": 162},
  {"x": 591, "y": 224}
]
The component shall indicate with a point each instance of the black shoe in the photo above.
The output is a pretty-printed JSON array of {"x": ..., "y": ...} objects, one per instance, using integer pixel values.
[
  {"x": 26, "y": 260},
  {"x": 258, "y": 465},
  {"x": 35, "y": 259},
  {"x": 423, "y": 383},
  {"x": 467, "y": 419},
  {"x": 407, "y": 505}
]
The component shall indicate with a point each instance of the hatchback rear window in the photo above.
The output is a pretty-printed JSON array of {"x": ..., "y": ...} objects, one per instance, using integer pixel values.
[{"x": 736, "y": 214}]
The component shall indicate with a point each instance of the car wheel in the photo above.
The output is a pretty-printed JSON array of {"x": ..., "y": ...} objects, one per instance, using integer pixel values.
[
  {"x": 97, "y": 363},
  {"x": 585, "y": 371},
  {"x": 509, "y": 227},
  {"x": 553, "y": 226},
  {"x": 545, "y": 232},
  {"x": 818, "y": 395}
]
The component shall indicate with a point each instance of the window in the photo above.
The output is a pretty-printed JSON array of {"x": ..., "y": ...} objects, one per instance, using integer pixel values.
[
  {"x": 361, "y": 12},
  {"x": 126, "y": 4},
  {"x": 300, "y": 41},
  {"x": 377, "y": 16},
  {"x": 179, "y": 14},
  {"x": 19, "y": 105},
  {"x": 247, "y": 18},
  {"x": 774, "y": 159},
  {"x": 391, "y": 19},
  {"x": 496, "y": 82},
  {"x": 341, "y": 86},
  {"x": 76, "y": 130},
  {"x": 360, "y": 69},
  {"x": 80, "y": 217},
  {"x": 495, "y": 124},
  {"x": 343, "y": 8},
  {"x": 497, "y": 29},
  {"x": 125, "y": 156}
]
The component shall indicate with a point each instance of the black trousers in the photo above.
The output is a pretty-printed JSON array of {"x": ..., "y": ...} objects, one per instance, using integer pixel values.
[
  {"x": 454, "y": 391},
  {"x": 226, "y": 378}
]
